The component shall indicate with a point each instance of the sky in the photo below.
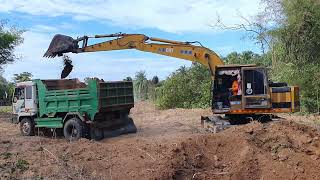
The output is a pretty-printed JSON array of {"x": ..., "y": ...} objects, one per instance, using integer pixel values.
[{"x": 183, "y": 20}]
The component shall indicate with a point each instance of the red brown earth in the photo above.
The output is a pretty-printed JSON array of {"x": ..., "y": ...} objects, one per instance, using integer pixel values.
[{"x": 169, "y": 144}]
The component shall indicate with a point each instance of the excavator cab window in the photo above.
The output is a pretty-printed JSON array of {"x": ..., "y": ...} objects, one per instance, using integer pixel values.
[{"x": 227, "y": 89}]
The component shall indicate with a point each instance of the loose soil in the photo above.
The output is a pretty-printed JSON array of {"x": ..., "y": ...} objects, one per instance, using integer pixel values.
[{"x": 169, "y": 144}]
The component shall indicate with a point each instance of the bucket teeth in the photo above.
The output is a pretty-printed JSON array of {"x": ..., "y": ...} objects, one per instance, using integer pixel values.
[{"x": 61, "y": 44}]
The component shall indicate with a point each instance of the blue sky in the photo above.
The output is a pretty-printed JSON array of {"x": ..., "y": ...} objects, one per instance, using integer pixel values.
[{"x": 185, "y": 20}]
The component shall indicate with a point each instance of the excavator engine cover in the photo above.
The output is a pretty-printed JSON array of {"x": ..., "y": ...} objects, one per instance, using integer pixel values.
[{"x": 61, "y": 44}]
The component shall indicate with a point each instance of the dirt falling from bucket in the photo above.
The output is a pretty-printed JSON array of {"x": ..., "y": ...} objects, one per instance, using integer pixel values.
[{"x": 67, "y": 66}]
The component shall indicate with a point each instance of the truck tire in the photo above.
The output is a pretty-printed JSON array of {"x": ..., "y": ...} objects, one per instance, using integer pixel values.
[
  {"x": 75, "y": 129},
  {"x": 27, "y": 127}
]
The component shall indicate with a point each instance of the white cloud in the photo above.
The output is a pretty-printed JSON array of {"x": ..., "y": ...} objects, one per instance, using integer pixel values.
[
  {"x": 166, "y": 15},
  {"x": 43, "y": 28}
]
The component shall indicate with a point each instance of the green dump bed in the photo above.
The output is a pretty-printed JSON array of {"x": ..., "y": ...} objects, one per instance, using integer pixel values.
[
  {"x": 115, "y": 95},
  {"x": 72, "y": 96}
]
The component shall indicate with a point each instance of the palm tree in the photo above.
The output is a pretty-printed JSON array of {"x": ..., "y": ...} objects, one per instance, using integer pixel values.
[{"x": 141, "y": 85}]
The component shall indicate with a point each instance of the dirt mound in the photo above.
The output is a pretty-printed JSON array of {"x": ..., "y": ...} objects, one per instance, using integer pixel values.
[
  {"x": 168, "y": 145},
  {"x": 278, "y": 150}
]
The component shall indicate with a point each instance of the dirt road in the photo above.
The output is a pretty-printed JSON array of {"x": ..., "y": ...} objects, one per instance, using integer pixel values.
[{"x": 169, "y": 145}]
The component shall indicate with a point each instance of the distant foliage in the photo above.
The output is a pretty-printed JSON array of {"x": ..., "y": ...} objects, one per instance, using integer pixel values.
[
  {"x": 248, "y": 57},
  {"x": 296, "y": 47},
  {"x": 24, "y": 76},
  {"x": 10, "y": 37},
  {"x": 127, "y": 79},
  {"x": 140, "y": 86},
  {"x": 185, "y": 88},
  {"x": 155, "y": 80}
]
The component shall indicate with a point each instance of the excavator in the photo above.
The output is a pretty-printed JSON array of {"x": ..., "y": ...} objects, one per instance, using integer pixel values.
[{"x": 240, "y": 92}]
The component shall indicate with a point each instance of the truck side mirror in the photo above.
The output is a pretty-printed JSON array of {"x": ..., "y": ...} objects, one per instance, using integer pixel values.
[{"x": 15, "y": 99}]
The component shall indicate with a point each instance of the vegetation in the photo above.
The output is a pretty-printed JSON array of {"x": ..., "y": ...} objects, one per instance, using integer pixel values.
[
  {"x": 24, "y": 76},
  {"x": 144, "y": 89},
  {"x": 248, "y": 57},
  {"x": 185, "y": 88},
  {"x": 9, "y": 39},
  {"x": 295, "y": 46},
  {"x": 140, "y": 84}
]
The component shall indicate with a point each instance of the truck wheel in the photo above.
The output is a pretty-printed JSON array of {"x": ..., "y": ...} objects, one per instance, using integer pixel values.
[
  {"x": 75, "y": 129},
  {"x": 27, "y": 127}
]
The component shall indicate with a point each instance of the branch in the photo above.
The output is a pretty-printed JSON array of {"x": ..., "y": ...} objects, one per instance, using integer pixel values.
[{"x": 257, "y": 29}]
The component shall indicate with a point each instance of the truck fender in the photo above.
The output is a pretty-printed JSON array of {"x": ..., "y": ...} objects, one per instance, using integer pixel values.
[
  {"x": 19, "y": 118},
  {"x": 73, "y": 114}
]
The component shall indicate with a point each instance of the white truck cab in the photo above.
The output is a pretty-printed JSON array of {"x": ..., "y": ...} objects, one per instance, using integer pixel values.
[{"x": 24, "y": 102}]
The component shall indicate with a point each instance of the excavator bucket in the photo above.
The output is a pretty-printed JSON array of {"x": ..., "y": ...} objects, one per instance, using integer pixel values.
[{"x": 61, "y": 44}]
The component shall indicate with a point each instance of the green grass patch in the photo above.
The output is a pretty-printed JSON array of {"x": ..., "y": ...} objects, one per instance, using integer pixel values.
[
  {"x": 5, "y": 109},
  {"x": 6, "y": 155},
  {"x": 22, "y": 164}
]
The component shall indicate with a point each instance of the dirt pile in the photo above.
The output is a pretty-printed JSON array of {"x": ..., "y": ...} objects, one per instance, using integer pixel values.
[
  {"x": 169, "y": 145},
  {"x": 279, "y": 150}
]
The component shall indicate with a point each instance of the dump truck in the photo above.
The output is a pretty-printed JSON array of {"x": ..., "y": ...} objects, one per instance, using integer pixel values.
[{"x": 95, "y": 110}]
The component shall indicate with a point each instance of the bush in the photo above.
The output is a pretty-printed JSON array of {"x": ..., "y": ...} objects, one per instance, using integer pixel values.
[{"x": 185, "y": 88}]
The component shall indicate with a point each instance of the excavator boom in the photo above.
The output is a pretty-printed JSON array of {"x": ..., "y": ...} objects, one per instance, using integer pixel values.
[{"x": 61, "y": 44}]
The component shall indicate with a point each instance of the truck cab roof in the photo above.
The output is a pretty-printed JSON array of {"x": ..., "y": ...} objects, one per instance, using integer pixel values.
[{"x": 25, "y": 83}]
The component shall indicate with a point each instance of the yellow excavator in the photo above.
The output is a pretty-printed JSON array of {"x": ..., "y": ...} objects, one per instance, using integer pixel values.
[{"x": 241, "y": 92}]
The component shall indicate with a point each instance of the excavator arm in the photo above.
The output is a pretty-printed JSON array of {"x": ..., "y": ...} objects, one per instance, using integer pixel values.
[{"x": 184, "y": 50}]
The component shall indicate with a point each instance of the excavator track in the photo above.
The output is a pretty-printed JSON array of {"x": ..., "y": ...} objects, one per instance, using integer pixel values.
[{"x": 216, "y": 124}]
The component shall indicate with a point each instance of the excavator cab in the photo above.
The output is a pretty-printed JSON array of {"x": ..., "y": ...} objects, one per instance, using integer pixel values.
[{"x": 245, "y": 89}]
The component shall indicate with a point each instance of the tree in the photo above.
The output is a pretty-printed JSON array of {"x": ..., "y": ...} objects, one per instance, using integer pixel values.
[
  {"x": 127, "y": 78},
  {"x": 4, "y": 93},
  {"x": 248, "y": 57},
  {"x": 9, "y": 39},
  {"x": 185, "y": 88},
  {"x": 141, "y": 85},
  {"x": 155, "y": 80},
  {"x": 296, "y": 47},
  {"x": 24, "y": 76}
]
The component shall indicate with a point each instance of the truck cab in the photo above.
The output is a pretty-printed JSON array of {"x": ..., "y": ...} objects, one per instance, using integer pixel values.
[{"x": 24, "y": 102}]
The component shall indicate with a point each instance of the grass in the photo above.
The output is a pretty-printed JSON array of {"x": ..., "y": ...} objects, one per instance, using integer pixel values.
[
  {"x": 6, "y": 155},
  {"x": 22, "y": 164},
  {"x": 5, "y": 109}
]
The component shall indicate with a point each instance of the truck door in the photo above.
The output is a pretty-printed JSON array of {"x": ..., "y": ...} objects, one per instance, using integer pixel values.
[
  {"x": 29, "y": 101},
  {"x": 255, "y": 88},
  {"x": 24, "y": 100},
  {"x": 18, "y": 102}
]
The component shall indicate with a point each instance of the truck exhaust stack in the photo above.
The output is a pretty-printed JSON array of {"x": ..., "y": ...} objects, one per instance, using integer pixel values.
[{"x": 61, "y": 44}]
